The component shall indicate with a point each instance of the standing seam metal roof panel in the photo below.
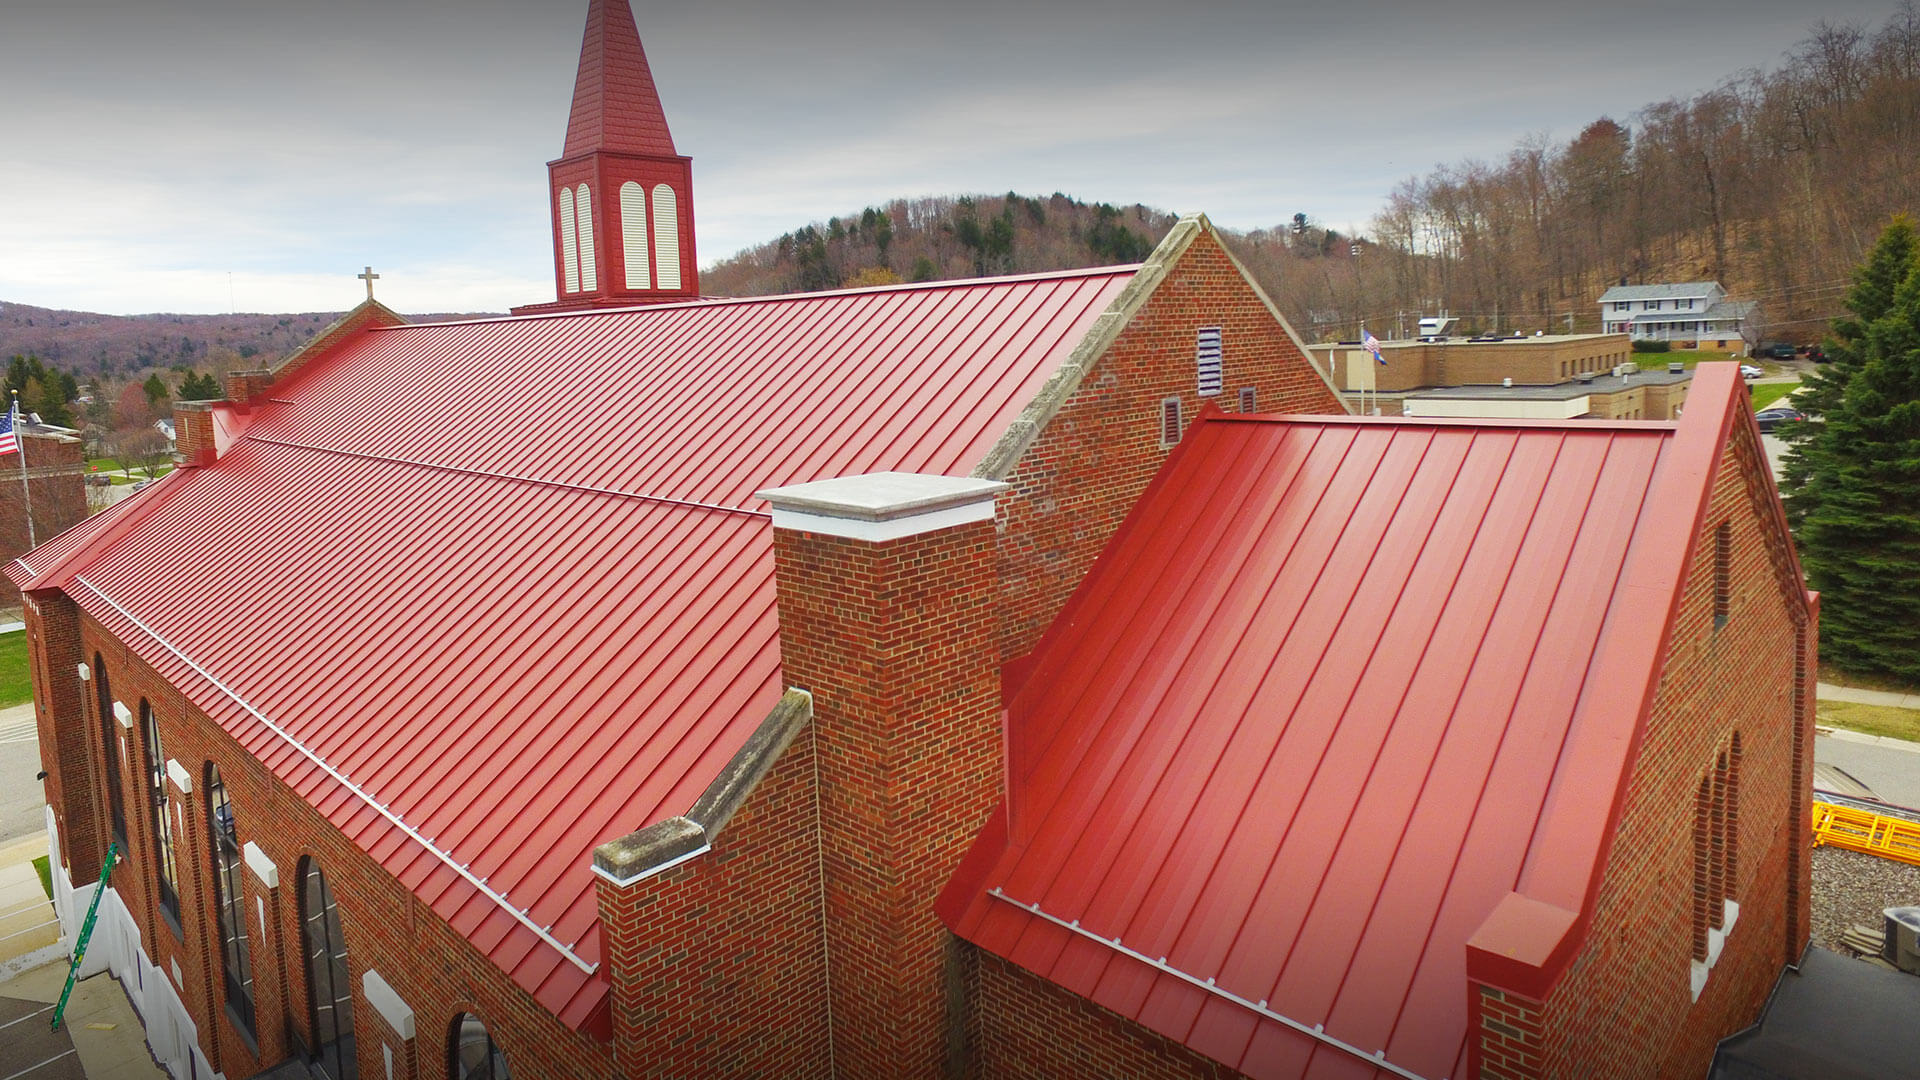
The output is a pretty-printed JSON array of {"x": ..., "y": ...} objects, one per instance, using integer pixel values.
[
  {"x": 509, "y": 578},
  {"x": 1293, "y": 729}
]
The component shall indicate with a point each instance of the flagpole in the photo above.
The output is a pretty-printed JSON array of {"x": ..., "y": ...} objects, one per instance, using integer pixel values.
[{"x": 26, "y": 489}]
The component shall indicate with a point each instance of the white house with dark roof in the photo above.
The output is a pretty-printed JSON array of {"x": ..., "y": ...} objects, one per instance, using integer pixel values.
[{"x": 1689, "y": 311}]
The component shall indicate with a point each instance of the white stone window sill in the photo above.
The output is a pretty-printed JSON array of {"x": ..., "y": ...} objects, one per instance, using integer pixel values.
[{"x": 1716, "y": 940}]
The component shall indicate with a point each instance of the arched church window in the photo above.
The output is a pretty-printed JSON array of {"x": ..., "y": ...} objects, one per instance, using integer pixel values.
[
  {"x": 110, "y": 739},
  {"x": 569, "y": 253},
  {"x": 229, "y": 900},
  {"x": 472, "y": 1053},
  {"x": 666, "y": 236},
  {"x": 583, "y": 214},
  {"x": 633, "y": 234},
  {"x": 165, "y": 870},
  {"x": 329, "y": 987}
]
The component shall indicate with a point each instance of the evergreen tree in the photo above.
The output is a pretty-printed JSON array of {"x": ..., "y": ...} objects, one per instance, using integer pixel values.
[
  {"x": 1822, "y": 390},
  {"x": 156, "y": 389},
  {"x": 1860, "y": 532},
  {"x": 198, "y": 387}
]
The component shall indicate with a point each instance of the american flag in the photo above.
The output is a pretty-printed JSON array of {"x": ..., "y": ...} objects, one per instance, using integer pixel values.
[
  {"x": 1373, "y": 346},
  {"x": 9, "y": 444}
]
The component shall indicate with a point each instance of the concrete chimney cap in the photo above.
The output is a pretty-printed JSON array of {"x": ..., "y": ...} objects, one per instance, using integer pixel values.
[{"x": 883, "y": 505}]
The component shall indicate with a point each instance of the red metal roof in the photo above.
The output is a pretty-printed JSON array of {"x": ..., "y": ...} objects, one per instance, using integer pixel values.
[
  {"x": 492, "y": 593},
  {"x": 615, "y": 104},
  {"x": 1329, "y": 696}
]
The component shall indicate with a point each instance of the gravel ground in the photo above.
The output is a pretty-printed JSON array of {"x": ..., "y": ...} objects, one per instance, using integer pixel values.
[{"x": 1851, "y": 888}]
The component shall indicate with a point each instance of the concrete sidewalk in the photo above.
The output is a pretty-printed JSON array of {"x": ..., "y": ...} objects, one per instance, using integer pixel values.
[
  {"x": 1830, "y": 692},
  {"x": 107, "y": 1037}
]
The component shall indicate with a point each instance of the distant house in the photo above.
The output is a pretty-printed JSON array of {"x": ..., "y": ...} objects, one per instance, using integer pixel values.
[
  {"x": 165, "y": 427},
  {"x": 1690, "y": 311}
]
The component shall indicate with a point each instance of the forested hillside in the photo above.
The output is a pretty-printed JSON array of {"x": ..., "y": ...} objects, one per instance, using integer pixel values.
[
  {"x": 931, "y": 239},
  {"x": 1773, "y": 183}
]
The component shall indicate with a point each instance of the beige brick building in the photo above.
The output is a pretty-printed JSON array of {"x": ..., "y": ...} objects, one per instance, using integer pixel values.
[{"x": 1559, "y": 376}]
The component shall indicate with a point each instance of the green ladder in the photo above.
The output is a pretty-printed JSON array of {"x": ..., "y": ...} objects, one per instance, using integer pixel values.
[{"x": 86, "y": 933}]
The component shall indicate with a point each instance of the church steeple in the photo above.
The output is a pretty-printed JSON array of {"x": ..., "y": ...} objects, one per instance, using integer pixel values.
[{"x": 622, "y": 197}]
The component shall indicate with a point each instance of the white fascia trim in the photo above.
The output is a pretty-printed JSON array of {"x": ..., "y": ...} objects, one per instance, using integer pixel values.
[
  {"x": 181, "y": 778},
  {"x": 388, "y": 1003},
  {"x": 86, "y": 673},
  {"x": 123, "y": 714},
  {"x": 656, "y": 868},
  {"x": 262, "y": 866},
  {"x": 892, "y": 529}
]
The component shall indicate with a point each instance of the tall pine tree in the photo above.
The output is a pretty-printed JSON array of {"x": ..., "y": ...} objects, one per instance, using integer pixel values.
[
  {"x": 1860, "y": 501},
  {"x": 1823, "y": 389}
]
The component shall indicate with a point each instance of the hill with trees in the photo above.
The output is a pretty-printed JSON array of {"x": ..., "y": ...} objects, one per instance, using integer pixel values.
[{"x": 941, "y": 238}]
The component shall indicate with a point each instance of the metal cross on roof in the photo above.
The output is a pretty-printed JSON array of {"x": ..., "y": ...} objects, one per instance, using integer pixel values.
[{"x": 369, "y": 277}]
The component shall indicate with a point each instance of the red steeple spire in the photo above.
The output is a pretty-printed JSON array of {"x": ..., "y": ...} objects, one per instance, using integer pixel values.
[
  {"x": 615, "y": 105},
  {"x": 620, "y": 196}
]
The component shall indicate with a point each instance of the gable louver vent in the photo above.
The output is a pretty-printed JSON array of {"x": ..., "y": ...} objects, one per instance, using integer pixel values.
[{"x": 1207, "y": 353}]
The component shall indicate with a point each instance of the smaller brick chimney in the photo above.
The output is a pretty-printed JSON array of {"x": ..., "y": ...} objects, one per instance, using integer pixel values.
[
  {"x": 246, "y": 387},
  {"x": 194, "y": 439},
  {"x": 889, "y": 617}
]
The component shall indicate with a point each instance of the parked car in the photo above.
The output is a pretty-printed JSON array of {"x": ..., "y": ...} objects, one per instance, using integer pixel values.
[
  {"x": 1816, "y": 354},
  {"x": 1750, "y": 371},
  {"x": 1777, "y": 415},
  {"x": 1779, "y": 350}
]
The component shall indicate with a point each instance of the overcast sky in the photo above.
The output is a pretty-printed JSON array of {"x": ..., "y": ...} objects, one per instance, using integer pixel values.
[{"x": 209, "y": 155}]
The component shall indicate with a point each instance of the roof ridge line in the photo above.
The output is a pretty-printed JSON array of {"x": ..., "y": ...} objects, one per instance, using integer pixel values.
[
  {"x": 466, "y": 873},
  {"x": 704, "y": 302},
  {"x": 664, "y": 499}
]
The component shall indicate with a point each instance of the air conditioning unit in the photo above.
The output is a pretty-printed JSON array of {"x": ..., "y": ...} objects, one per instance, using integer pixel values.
[{"x": 1902, "y": 947}]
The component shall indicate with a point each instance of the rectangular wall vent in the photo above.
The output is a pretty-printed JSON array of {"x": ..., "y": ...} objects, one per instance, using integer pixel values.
[
  {"x": 1247, "y": 400},
  {"x": 1207, "y": 353},
  {"x": 1170, "y": 421}
]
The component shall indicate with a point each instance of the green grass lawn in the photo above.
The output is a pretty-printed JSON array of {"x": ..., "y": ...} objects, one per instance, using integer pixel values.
[
  {"x": 1834, "y": 676},
  {"x": 16, "y": 686},
  {"x": 1765, "y": 394},
  {"x": 1658, "y": 361},
  {"x": 44, "y": 865},
  {"x": 1870, "y": 719},
  {"x": 118, "y": 474}
]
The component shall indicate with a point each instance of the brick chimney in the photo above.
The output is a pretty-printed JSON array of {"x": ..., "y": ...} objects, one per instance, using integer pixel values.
[
  {"x": 889, "y": 618},
  {"x": 193, "y": 435},
  {"x": 246, "y": 387}
]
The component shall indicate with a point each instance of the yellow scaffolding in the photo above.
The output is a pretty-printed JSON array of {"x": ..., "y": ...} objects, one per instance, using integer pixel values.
[{"x": 1863, "y": 830}]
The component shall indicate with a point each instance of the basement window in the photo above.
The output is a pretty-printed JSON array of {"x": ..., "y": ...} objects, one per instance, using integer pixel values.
[
  {"x": 1169, "y": 422},
  {"x": 1722, "y": 574}
]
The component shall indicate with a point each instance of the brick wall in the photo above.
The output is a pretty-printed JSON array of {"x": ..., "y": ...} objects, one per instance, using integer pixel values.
[
  {"x": 1527, "y": 361},
  {"x": 1509, "y": 1028},
  {"x": 1026, "y": 1028},
  {"x": 56, "y": 481},
  {"x": 1543, "y": 361},
  {"x": 718, "y": 965},
  {"x": 895, "y": 640},
  {"x": 1078, "y": 480},
  {"x": 435, "y": 970},
  {"x": 74, "y": 785},
  {"x": 1624, "y": 1008}
]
